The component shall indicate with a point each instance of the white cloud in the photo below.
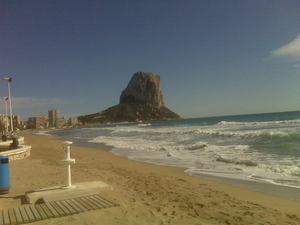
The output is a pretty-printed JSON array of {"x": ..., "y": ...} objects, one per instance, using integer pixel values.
[{"x": 291, "y": 50}]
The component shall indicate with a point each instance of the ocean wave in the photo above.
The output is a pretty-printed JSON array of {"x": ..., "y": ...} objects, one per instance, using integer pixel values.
[
  {"x": 237, "y": 161},
  {"x": 183, "y": 148},
  {"x": 250, "y": 134},
  {"x": 148, "y": 145},
  {"x": 266, "y": 123},
  {"x": 286, "y": 134},
  {"x": 286, "y": 170},
  {"x": 144, "y": 125},
  {"x": 43, "y": 133}
]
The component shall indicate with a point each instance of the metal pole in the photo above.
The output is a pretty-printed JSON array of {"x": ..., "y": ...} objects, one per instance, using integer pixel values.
[
  {"x": 6, "y": 107},
  {"x": 6, "y": 132},
  {"x": 10, "y": 111},
  {"x": 6, "y": 119}
]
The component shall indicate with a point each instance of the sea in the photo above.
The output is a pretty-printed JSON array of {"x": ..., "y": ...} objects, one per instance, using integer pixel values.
[{"x": 240, "y": 149}]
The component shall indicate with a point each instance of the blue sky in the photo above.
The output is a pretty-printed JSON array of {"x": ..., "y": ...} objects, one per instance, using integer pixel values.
[{"x": 214, "y": 57}]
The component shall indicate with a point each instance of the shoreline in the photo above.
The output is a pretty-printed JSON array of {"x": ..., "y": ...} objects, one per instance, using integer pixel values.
[
  {"x": 288, "y": 192},
  {"x": 147, "y": 193},
  {"x": 284, "y": 191}
]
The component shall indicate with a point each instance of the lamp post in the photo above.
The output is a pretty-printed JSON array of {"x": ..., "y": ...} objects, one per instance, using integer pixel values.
[
  {"x": 6, "y": 130},
  {"x": 10, "y": 110}
]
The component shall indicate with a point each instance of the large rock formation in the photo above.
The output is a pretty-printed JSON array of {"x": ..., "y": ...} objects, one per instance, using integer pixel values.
[
  {"x": 142, "y": 100},
  {"x": 143, "y": 88}
]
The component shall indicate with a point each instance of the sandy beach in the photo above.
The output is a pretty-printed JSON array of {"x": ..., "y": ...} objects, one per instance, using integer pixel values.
[{"x": 147, "y": 193}]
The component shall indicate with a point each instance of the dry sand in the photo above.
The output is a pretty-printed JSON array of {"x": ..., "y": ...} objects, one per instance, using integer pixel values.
[{"x": 147, "y": 193}]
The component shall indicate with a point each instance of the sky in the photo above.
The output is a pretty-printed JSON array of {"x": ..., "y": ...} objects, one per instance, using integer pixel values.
[{"x": 214, "y": 57}]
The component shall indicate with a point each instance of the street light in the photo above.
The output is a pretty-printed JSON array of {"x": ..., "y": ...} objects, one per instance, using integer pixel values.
[
  {"x": 6, "y": 98},
  {"x": 10, "y": 110}
]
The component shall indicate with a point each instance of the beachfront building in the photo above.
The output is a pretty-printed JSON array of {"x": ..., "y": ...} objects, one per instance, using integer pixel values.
[
  {"x": 73, "y": 122},
  {"x": 30, "y": 123},
  {"x": 23, "y": 125},
  {"x": 61, "y": 122},
  {"x": 38, "y": 122},
  {"x": 53, "y": 115},
  {"x": 16, "y": 121}
]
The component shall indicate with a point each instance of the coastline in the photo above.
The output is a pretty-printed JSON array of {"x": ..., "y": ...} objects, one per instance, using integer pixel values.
[
  {"x": 288, "y": 192},
  {"x": 147, "y": 193},
  {"x": 255, "y": 185}
]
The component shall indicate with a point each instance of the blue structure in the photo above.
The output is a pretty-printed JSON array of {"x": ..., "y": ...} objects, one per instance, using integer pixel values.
[{"x": 4, "y": 175}]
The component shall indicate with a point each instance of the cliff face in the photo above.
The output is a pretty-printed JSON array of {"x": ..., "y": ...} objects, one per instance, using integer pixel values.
[
  {"x": 142, "y": 100},
  {"x": 143, "y": 88}
]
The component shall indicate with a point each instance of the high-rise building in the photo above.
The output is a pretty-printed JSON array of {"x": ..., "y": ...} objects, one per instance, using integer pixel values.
[{"x": 53, "y": 116}]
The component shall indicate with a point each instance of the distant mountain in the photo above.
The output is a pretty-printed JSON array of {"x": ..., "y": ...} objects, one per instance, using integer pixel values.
[{"x": 142, "y": 100}]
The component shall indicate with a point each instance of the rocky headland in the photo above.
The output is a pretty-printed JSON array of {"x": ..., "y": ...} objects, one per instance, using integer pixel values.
[{"x": 142, "y": 100}]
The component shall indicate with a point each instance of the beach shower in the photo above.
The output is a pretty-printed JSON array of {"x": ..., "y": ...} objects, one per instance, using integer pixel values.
[{"x": 68, "y": 161}]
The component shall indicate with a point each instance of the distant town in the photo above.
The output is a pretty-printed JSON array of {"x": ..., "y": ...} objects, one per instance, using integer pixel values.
[{"x": 53, "y": 121}]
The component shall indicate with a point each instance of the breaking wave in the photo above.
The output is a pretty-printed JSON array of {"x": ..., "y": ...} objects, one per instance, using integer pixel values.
[
  {"x": 244, "y": 134},
  {"x": 237, "y": 161},
  {"x": 267, "y": 123}
]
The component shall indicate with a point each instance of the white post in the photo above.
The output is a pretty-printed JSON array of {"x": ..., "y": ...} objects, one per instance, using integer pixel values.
[{"x": 68, "y": 160}]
